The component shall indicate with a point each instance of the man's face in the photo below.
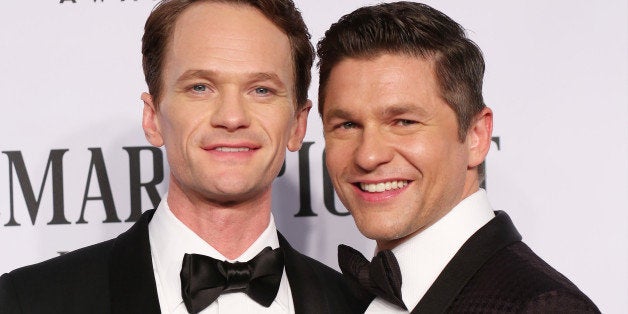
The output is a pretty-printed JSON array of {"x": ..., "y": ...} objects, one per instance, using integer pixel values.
[
  {"x": 227, "y": 112},
  {"x": 392, "y": 145}
]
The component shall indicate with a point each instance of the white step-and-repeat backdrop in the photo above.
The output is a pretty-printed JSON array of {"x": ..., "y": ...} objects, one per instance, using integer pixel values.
[{"x": 75, "y": 168}]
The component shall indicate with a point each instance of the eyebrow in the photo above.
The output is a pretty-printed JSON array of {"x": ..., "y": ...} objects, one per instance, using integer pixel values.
[
  {"x": 399, "y": 109},
  {"x": 337, "y": 113},
  {"x": 192, "y": 74},
  {"x": 389, "y": 111},
  {"x": 265, "y": 76}
]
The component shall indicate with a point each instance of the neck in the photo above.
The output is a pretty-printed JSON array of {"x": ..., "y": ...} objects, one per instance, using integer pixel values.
[{"x": 230, "y": 228}]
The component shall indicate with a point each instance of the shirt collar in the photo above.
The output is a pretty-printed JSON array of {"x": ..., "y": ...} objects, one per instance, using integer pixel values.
[
  {"x": 170, "y": 239},
  {"x": 423, "y": 257}
]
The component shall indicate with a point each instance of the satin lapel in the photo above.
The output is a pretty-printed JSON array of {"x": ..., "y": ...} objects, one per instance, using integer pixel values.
[
  {"x": 495, "y": 235},
  {"x": 131, "y": 278},
  {"x": 307, "y": 291}
]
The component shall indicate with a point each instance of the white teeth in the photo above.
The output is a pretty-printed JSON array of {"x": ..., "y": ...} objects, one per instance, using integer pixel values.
[
  {"x": 383, "y": 186},
  {"x": 232, "y": 149}
]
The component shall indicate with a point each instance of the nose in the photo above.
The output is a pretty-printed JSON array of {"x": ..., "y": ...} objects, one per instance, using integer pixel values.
[
  {"x": 373, "y": 150},
  {"x": 231, "y": 113}
]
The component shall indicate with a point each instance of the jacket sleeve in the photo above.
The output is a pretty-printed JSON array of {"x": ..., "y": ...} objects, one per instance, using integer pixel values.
[{"x": 560, "y": 302}]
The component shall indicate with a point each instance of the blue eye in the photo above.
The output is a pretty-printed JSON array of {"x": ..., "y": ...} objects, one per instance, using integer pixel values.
[
  {"x": 262, "y": 90},
  {"x": 199, "y": 88}
]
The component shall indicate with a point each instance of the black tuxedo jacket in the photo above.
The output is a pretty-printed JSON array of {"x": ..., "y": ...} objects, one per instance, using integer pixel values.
[
  {"x": 117, "y": 276},
  {"x": 494, "y": 272}
]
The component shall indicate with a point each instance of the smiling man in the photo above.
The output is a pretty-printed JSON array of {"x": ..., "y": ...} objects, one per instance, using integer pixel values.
[
  {"x": 228, "y": 85},
  {"x": 406, "y": 133}
]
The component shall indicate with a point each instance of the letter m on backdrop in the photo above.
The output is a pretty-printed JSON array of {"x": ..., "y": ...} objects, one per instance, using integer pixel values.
[{"x": 54, "y": 165}]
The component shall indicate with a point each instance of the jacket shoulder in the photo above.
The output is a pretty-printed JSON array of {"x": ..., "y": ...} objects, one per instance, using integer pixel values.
[
  {"x": 352, "y": 295},
  {"x": 515, "y": 279},
  {"x": 65, "y": 283},
  {"x": 316, "y": 287},
  {"x": 323, "y": 271}
]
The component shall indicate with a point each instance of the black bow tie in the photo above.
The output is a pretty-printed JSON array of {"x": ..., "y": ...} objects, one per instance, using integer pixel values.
[
  {"x": 380, "y": 277},
  {"x": 203, "y": 278}
]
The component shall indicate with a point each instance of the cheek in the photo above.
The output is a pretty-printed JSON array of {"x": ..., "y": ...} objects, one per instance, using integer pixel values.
[
  {"x": 428, "y": 154},
  {"x": 277, "y": 123},
  {"x": 455, "y": 158},
  {"x": 335, "y": 157},
  {"x": 415, "y": 151},
  {"x": 182, "y": 123},
  {"x": 172, "y": 133}
]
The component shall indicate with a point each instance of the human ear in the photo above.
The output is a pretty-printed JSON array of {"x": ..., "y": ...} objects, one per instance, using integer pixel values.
[
  {"x": 298, "y": 129},
  {"x": 479, "y": 137},
  {"x": 150, "y": 121}
]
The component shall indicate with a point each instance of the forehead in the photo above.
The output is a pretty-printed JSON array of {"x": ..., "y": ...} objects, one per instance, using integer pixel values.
[
  {"x": 384, "y": 80},
  {"x": 230, "y": 37}
]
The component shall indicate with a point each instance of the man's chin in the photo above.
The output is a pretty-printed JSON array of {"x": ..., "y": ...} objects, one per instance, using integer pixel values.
[{"x": 380, "y": 233}]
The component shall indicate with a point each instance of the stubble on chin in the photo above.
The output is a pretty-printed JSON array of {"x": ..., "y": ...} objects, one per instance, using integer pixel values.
[{"x": 376, "y": 227}]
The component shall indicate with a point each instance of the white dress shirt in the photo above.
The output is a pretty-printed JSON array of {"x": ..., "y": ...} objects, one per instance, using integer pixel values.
[
  {"x": 170, "y": 239},
  {"x": 423, "y": 257}
]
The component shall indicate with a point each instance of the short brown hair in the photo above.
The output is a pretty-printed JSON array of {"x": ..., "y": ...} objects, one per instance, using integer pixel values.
[
  {"x": 413, "y": 29},
  {"x": 283, "y": 13}
]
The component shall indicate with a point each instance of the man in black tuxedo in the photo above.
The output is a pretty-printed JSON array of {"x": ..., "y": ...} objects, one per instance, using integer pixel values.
[
  {"x": 228, "y": 85},
  {"x": 406, "y": 133}
]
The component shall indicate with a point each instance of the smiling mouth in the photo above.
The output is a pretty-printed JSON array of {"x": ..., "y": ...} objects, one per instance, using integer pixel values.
[
  {"x": 382, "y": 186},
  {"x": 232, "y": 149}
]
